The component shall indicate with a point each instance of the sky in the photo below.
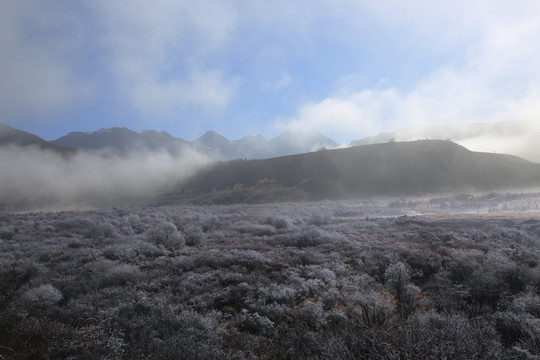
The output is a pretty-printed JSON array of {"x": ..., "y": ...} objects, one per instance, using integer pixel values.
[{"x": 348, "y": 68}]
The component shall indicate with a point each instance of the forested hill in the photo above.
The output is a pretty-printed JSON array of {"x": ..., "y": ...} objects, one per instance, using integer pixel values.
[{"x": 394, "y": 168}]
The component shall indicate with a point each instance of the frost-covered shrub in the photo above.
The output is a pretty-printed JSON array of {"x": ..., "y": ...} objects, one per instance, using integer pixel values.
[
  {"x": 120, "y": 275},
  {"x": 311, "y": 315},
  {"x": 81, "y": 224},
  {"x": 255, "y": 323},
  {"x": 100, "y": 341},
  {"x": 248, "y": 259},
  {"x": 255, "y": 229},
  {"x": 133, "y": 222},
  {"x": 310, "y": 237},
  {"x": 193, "y": 234},
  {"x": 277, "y": 293},
  {"x": 107, "y": 230},
  {"x": 146, "y": 249},
  {"x": 375, "y": 307},
  {"x": 7, "y": 233},
  {"x": 213, "y": 223},
  {"x": 165, "y": 233},
  {"x": 184, "y": 335},
  {"x": 528, "y": 302},
  {"x": 435, "y": 336},
  {"x": 318, "y": 219},
  {"x": 42, "y": 296},
  {"x": 277, "y": 222},
  {"x": 48, "y": 229}
]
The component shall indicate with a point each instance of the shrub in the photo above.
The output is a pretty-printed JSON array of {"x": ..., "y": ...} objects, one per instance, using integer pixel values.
[
  {"x": 42, "y": 296},
  {"x": 100, "y": 341},
  {"x": 193, "y": 234},
  {"x": 120, "y": 275},
  {"x": 165, "y": 233},
  {"x": 277, "y": 222}
]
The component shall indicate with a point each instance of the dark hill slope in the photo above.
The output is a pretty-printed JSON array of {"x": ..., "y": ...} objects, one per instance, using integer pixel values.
[
  {"x": 10, "y": 136},
  {"x": 383, "y": 169}
]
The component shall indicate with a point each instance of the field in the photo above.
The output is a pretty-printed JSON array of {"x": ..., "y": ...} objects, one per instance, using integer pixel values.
[{"x": 447, "y": 278}]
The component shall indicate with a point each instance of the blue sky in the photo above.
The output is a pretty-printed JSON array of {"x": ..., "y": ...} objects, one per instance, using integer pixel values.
[{"x": 346, "y": 68}]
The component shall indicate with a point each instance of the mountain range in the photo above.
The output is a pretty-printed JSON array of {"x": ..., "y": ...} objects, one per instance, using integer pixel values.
[
  {"x": 391, "y": 168},
  {"x": 517, "y": 138},
  {"x": 122, "y": 141}
]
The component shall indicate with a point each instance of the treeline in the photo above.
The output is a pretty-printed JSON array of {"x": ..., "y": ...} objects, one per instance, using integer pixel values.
[{"x": 276, "y": 282}]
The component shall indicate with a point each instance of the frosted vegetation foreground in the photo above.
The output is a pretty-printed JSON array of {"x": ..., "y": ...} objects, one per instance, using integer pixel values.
[{"x": 317, "y": 281}]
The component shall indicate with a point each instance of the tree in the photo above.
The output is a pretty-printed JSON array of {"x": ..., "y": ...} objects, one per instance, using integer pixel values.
[{"x": 397, "y": 280}]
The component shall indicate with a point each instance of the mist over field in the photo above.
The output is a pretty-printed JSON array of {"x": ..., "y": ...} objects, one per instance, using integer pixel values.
[{"x": 34, "y": 174}]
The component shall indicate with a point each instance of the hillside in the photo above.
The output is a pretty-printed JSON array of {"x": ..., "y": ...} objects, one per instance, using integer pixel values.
[
  {"x": 509, "y": 137},
  {"x": 417, "y": 167},
  {"x": 10, "y": 136}
]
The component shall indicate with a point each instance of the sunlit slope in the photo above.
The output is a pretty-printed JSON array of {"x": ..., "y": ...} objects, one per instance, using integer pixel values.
[{"x": 383, "y": 169}]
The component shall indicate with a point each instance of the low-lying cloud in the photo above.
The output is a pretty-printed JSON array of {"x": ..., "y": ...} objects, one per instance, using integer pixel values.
[
  {"x": 33, "y": 175},
  {"x": 489, "y": 74}
]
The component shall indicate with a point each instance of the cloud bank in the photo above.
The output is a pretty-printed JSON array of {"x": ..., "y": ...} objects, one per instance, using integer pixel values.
[
  {"x": 492, "y": 77},
  {"x": 41, "y": 176}
]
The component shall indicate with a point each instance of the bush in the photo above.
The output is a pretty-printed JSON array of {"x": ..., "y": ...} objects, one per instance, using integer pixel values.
[
  {"x": 193, "y": 234},
  {"x": 277, "y": 222},
  {"x": 42, "y": 296},
  {"x": 165, "y": 233}
]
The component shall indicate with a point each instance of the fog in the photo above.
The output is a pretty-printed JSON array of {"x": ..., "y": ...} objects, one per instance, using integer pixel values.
[
  {"x": 31, "y": 174},
  {"x": 517, "y": 138}
]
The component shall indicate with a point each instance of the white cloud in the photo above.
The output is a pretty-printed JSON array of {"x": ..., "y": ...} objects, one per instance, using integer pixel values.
[
  {"x": 36, "y": 78},
  {"x": 154, "y": 98},
  {"x": 496, "y": 76},
  {"x": 151, "y": 54},
  {"x": 155, "y": 48}
]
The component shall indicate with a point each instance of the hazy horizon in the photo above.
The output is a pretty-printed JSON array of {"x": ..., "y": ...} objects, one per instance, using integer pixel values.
[{"x": 504, "y": 137}]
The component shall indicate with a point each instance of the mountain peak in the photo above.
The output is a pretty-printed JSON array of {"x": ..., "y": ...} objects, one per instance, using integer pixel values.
[
  {"x": 111, "y": 130},
  {"x": 213, "y": 139}
]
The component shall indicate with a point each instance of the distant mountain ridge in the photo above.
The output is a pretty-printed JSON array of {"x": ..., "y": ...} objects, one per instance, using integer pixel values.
[
  {"x": 390, "y": 169},
  {"x": 121, "y": 140},
  {"x": 14, "y": 137}
]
